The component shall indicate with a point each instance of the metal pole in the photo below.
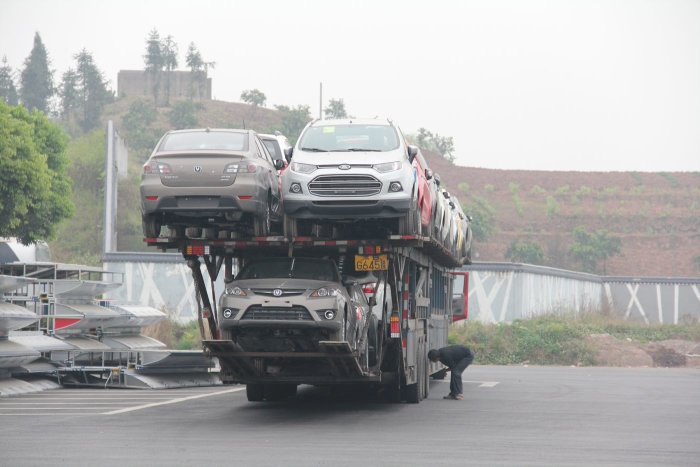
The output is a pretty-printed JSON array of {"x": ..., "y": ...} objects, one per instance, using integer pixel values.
[
  {"x": 320, "y": 101},
  {"x": 110, "y": 199}
]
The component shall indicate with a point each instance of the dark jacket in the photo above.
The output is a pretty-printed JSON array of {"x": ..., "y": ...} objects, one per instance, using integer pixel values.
[{"x": 451, "y": 355}]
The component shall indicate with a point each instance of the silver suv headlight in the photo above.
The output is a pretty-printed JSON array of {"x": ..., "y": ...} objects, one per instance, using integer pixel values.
[
  {"x": 302, "y": 168},
  {"x": 387, "y": 167}
]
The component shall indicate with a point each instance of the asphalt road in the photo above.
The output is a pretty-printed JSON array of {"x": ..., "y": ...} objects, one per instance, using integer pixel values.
[{"x": 516, "y": 416}]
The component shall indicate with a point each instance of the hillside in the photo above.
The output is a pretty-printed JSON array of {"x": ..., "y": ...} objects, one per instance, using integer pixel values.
[{"x": 656, "y": 215}]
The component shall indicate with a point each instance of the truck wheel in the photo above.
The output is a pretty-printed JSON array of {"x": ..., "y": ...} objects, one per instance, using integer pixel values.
[
  {"x": 255, "y": 392},
  {"x": 151, "y": 226},
  {"x": 416, "y": 392}
]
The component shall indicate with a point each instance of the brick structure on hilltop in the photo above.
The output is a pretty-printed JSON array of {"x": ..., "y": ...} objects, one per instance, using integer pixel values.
[{"x": 183, "y": 84}]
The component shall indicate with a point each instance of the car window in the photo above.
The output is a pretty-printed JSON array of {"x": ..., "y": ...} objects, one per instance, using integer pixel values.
[
  {"x": 273, "y": 146},
  {"x": 351, "y": 137},
  {"x": 209, "y": 140},
  {"x": 261, "y": 152},
  {"x": 265, "y": 152},
  {"x": 295, "y": 268}
]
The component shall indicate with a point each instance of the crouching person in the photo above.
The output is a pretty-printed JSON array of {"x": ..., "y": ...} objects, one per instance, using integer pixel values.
[{"x": 456, "y": 358}]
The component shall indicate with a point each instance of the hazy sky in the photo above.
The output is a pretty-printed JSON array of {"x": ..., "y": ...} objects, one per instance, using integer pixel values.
[{"x": 524, "y": 84}]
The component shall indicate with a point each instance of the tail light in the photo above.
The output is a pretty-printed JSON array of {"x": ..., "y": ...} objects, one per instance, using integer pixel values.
[
  {"x": 240, "y": 168},
  {"x": 394, "y": 320},
  {"x": 369, "y": 288},
  {"x": 154, "y": 167}
]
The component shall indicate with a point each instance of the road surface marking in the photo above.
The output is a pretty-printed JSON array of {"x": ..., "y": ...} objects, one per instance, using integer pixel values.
[
  {"x": 172, "y": 401},
  {"x": 482, "y": 384}
]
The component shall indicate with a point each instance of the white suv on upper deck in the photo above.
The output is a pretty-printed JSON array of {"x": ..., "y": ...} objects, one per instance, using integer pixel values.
[{"x": 350, "y": 169}]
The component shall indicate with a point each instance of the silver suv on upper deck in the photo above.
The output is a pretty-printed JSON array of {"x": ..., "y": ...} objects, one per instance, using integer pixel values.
[{"x": 349, "y": 169}]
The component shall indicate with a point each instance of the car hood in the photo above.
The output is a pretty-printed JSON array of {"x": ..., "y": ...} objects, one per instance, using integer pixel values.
[
  {"x": 284, "y": 283},
  {"x": 348, "y": 157}
]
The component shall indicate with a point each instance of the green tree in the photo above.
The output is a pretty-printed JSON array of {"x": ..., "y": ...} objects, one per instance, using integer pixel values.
[
  {"x": 70, "y": 98},
  {"x": 196, "y": 64},
  {"x": 254, "y": 97},
  {"x": 335, "y": 109},
  {"x": 81, "y": 239},
  {"x": 199, "y": 69},
  {"x": 137, "y": 126},
  {"x": 37, "y": 79},
  {"x": 8, "y": 91},
  {"x": 92, "y": 91},
  {"x": 34, "y": 186},
  {"x": 294, "y": 119},
  {"x": 183, "y": 115},
  {"x": 169, "y": 51},
  {"x": 525, "y": 251},
  {"x": 155, "y": 62},
  {"x": 443, "y": 145},
  {"x": 590, "y": 248},
  {"x": 483, "y": 215}
]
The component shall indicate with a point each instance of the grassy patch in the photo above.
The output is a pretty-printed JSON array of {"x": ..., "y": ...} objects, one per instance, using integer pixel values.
[{"x": 557, "y": 340}]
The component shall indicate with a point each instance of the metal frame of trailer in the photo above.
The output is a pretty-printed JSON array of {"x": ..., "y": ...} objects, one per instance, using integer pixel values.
[{"x": 421, "y": 287}]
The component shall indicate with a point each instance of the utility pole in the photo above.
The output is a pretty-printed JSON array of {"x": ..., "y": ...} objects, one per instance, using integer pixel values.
[{"x": 320, "y": 101}]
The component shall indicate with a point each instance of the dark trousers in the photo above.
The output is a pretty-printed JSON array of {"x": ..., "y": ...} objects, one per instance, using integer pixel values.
[{"x": 456, "y": 378}]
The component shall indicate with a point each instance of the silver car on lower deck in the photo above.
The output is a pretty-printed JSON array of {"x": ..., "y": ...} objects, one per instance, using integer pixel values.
[{"x": 289, "y": 305}]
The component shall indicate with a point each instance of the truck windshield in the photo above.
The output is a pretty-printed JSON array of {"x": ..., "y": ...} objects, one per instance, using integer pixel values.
[
  {"x": 351, "y": 137},
  {"x": 294, "y": 268}
]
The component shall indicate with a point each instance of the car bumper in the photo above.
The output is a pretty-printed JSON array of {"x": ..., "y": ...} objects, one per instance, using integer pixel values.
[
  {"x": 156, "y": 197},
  {"x": 306, "y": 208}
]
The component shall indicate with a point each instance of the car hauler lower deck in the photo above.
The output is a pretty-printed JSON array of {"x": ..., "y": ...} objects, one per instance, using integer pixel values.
[{"x": 391, "y": 355}]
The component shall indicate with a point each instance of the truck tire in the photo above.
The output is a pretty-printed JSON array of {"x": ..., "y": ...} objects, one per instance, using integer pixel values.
[
  {"x": 255, "y": 392},
  {"x": 416, "y": 392}
]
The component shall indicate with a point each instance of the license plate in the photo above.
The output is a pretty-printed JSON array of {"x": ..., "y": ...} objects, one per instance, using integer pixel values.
[{"x": 371, "y": 263}]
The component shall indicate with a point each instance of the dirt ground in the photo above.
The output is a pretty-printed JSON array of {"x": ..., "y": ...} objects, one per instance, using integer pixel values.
[{"x": 611, "y": 351}]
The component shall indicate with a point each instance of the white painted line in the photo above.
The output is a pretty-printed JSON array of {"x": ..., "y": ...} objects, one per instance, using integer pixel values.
[
  {"x": 172, "y": 401},
  {"x": 2, "y": 406},
  {"x": 48, "y": 414},
  {"x": 117, "y": 398},
  {"x": 488, "y": 384},
  {"x": 482, "y": 384},
  {"x": 49, "y": 408}
]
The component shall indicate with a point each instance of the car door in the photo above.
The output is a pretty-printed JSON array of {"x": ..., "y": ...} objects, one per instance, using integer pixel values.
[{"x": 271, "y": 175}]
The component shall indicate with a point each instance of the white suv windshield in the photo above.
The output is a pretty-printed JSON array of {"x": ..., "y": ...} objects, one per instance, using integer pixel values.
[{"x": 353, "y": 137}]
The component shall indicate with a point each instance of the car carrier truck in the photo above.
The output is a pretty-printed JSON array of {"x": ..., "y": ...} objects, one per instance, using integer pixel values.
[{"x": 418, "y": 307}]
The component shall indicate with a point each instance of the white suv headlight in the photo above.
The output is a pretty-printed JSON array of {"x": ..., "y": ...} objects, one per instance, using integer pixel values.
[
  {"x": 387, "y": 167},
  {"x": 302, "y": 168}
]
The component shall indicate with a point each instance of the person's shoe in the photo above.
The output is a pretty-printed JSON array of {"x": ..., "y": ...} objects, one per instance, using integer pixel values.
[
  {"x": 458, "y": 397},
  {"x": 449, "y": 396}
]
